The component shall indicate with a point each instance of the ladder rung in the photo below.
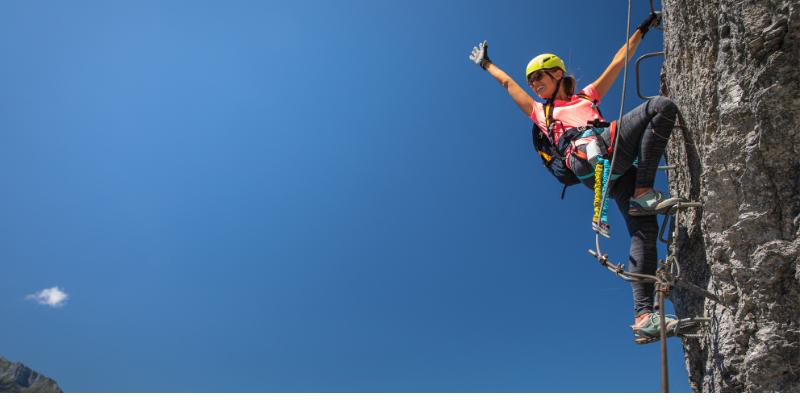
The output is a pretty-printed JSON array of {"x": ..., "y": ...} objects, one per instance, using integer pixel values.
[{"x": 684, "y": 205}]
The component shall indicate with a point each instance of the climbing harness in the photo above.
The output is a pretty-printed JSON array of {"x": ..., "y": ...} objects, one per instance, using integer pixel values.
[
  {"x": 668, "y": 273},
  {"x": 555, "y": 156}
]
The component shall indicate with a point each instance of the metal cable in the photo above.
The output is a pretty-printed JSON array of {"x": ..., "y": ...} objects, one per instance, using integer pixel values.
[
  {"x": 621, "y": 108},
  {"x": 619, "y": 123}
]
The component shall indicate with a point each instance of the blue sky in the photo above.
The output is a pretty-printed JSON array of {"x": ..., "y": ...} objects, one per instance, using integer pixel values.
[{"x": 251, "y": 196}]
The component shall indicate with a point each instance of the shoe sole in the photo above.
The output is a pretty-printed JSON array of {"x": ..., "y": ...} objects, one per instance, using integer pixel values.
[
  {"x": 645, "y": 339},
  {"x": 642, "y": 340},
  {"x": 642, "y": 212}
]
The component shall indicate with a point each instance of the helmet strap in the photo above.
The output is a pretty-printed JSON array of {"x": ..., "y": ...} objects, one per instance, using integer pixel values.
[{"x": 558, "y": 86}]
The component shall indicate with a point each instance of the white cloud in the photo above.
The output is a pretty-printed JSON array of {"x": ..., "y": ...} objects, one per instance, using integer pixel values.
[{"x": 53, "y": 297}]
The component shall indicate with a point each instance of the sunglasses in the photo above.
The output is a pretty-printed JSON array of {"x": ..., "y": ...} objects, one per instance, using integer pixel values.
[{"x": 536, "y": 76}]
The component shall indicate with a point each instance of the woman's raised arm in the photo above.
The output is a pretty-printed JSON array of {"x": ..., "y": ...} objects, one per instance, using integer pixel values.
[
  {"x": 480, "y": 55},
  {"x": 606, "y": 80}
]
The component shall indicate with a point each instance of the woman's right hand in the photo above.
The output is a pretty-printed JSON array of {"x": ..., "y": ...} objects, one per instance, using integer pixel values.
[
  {"x": 652, "y": 20},
  {"x": 480, "y": 54}
]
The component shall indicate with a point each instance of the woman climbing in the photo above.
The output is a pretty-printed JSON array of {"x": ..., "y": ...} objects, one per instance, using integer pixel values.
[{"x": 570, "y": 124}]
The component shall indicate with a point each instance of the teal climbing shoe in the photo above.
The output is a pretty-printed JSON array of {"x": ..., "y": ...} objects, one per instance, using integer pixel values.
[
  {"x": 651, "y": 203},
  {"x": 647, "y": 327}
]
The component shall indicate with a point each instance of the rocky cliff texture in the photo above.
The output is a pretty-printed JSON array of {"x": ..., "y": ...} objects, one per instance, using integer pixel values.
[
  {"x": 732, "y": 67},
  {"x": 16, "y": 377}
]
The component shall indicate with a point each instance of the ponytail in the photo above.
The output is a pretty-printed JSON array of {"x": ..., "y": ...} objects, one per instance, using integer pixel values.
[{"x": 569, "y": 84}]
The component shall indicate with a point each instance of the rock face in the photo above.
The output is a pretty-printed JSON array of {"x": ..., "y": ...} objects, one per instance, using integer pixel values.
[
  {"x": 733, "y": 69},
  {"x": 16, "y": 377}
]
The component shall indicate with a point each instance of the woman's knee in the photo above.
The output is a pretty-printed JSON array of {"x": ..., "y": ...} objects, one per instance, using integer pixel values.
[{"x": 664, "y": 105}]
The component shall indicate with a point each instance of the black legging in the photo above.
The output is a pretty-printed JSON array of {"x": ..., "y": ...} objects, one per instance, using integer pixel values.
[{"x": 643, "y": 135}]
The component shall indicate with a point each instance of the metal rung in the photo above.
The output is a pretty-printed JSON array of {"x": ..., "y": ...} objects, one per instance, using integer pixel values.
[
  {"x": 697, "y": 319},
  {"x": 682, "y": 205},
  {"x": 692, "y": 336},
  {"x": 689, "y": 326},
  {"x": 619, "y": 270},
  {"x": 645, "y": 56},
  {"x": 685, "y": 205},
  {"x": 667, "y": 167}
]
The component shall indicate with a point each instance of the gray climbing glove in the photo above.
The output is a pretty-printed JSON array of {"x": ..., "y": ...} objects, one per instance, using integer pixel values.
[
  {"x": 480, "y": 55},
  {"x": 653, "y": 20}
]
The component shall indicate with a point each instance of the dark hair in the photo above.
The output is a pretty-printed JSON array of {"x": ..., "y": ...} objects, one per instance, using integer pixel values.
[{"x": 569, "y": 84}]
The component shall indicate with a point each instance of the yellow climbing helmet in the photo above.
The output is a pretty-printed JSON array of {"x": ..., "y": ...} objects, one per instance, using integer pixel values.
[{"x": 543, "y": 62}]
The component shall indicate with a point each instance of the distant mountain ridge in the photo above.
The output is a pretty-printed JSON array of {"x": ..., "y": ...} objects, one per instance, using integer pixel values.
[{"x": 16, "y": 377}]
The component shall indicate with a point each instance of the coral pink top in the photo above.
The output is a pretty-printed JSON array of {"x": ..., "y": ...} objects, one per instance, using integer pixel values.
[{"x": 568, "y": 114}]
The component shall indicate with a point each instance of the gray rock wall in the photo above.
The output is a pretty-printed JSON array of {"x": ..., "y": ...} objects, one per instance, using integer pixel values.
[
  {"x": 16, "y": 377},
  {"x": 733, "y": 68}
]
